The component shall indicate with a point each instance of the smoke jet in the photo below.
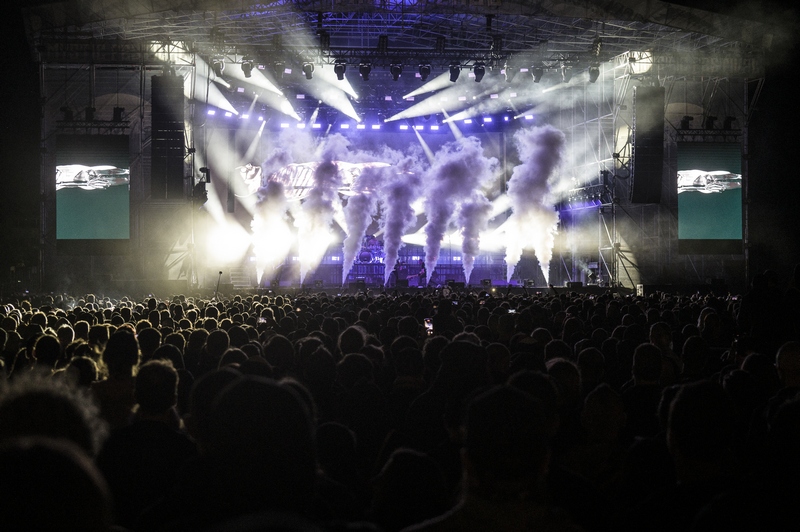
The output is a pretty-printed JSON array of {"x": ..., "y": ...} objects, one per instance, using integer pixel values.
[
  {"x": 457, "y": 174},
  {"x": 533, "y": 220}
]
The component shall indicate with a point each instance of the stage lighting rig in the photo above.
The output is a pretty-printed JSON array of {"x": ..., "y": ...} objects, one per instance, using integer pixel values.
[
  {"x": 218, "y": 66},
  {"x": 396, "y": 69},
  {"x": 308, "y": 70},
  {"x": 594, "y": 73},
  {"x": 455, "y": 70},
  {"x": 424, "y": 71},
  {"x": 537, "y": 73},
  {"x": 686, "y": 122},
  {"x": 364, "y": 69},
  {"x": 339, "y": 68},
  {"x": 479, "y": 70},
  {"x": 247, "y": 67}
]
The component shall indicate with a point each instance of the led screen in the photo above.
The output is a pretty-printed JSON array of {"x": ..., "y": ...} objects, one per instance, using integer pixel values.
[
  {"x": 92, "y": 187},
  {"x": 709, "y": 185}
]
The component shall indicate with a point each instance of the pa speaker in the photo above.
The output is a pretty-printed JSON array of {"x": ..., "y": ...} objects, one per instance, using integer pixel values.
[{"x": 647, "y": 144}]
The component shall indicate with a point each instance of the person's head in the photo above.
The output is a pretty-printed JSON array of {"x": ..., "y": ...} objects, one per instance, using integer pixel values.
[
  {"x": 700, "y": 427},
  {"x": 121, "y": 353},
  {"x": 505, "y": 450},
  {"x": 217, "y": 343},
  {"x": 787, "y": 361},
  {"x": 410, "y": 488},
  {"x": 201, "y": 397},
  {"x": 156, "y": 388},
  {"x": 83, "y": 370},
  {"x": 149, "y": 340},
  {"x": 351, "y": 340},
  {"x": 34, "y": 405},
  {"x": 646, "y": 364},
  {"x": 262, "y": 434},
  {"x": 47, "y": 351},
  {"x": 50, "y": 484}
]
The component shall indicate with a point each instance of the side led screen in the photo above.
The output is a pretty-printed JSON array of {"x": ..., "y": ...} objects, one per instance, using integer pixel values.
[
  {"x": 92, "y": 187},
  {"x": 709, "y": 198}
]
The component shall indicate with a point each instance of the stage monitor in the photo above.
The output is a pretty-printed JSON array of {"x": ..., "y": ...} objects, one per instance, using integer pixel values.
[
  {"x": 92, "y": 193},
  {"x": 709, "y": 185}
]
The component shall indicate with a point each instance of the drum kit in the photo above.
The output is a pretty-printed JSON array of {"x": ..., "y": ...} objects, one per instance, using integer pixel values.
[{"x": 371, "y": 251}]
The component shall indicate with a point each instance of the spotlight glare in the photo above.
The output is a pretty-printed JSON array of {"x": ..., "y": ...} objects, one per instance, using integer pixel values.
[
  {"x": 316, "y": 125},
  {"x": 212, "y": 112},
  {"x": 434, "y": 128},
  {"x": 228, "y": 114},
  {"x": 403, "y": 127},
  {"x": 419, "y": 128},
  {"x": 361, "y": 126},
  {"x": 376, "y": 126},
  {"x": 284, "y": 125},
  {"x": 468, "y": 121}
]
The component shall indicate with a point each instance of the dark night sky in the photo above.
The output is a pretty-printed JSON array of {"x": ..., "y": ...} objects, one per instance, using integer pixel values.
[{"x": 774, "y": 147}]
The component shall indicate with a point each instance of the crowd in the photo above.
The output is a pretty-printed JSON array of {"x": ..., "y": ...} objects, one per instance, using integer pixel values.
[{"x": 475, "y": 411}]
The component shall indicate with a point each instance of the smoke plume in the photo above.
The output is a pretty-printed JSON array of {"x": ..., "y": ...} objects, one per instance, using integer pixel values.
[
  {"x": 316, "y": 214},
  {"x": 459, "y": 170},
  {"x": 397, "y": 195},
  {"x": 533, "y": 220},
  {"x": 358, "y": 214},
  {"x": 473, "y": 217}
]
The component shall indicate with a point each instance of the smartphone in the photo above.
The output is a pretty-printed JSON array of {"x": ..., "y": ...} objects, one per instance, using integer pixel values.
[
  {"x": 262, "y": 320},
  {"x": 512, "y": 311},
  {"x": 429, "y": 326}
]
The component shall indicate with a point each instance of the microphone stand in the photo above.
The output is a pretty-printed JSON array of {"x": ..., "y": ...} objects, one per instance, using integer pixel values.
[{"x": 219, "y": 278}]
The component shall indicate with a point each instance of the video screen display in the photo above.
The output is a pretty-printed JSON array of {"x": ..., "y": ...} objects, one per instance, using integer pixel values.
[
  {"x": 92, "y": 187},
  {"x": 709, "y": 198}
]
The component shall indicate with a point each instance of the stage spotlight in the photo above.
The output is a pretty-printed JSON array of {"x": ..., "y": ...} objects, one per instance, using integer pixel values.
[
  {"x": 479, "y": 70},
  {"x": 247, "y": 67},
  {"x": 709, "y": 122},
  {"x": 594, "y": 73},
  {"x": 396, "y": 70},
  {"x": 455, "y": 70},
  {"x": 510, "y": 72},
  {"x": 218, "y": 66},
  {"x": 308, "y": 70},
  {"x": 364, "y": 69},
  {"x": 537, "y": 73},
  {"x": 118, "y": 112},
  {"x": 686, "y": 122},
  {"x": 424, "y": 71},
  {"x": 566, "y": 73},
  {"x": 339, "y": 67},
  {"x": 89, "y": 114}
]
